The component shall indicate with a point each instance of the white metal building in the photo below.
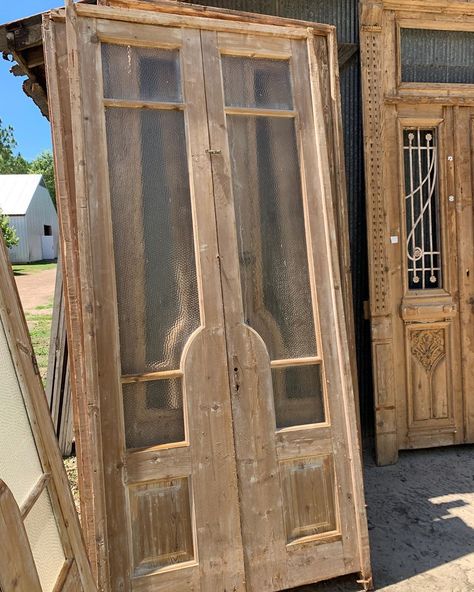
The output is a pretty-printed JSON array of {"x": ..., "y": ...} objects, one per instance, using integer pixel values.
[{"x": 26, "y": 200}]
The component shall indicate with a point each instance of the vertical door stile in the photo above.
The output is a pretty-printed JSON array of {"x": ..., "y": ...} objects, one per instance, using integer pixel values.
[
  {"x": 217, "y": 516},
  {"x": 253, "y": 414},
  {"x": 464, "y": 147},
  {"x": 342, "y": 409},
  {"x": 87, "y": 120},
  {"x": 60, "y": 117},
  {"x": 451, "y": 264}
]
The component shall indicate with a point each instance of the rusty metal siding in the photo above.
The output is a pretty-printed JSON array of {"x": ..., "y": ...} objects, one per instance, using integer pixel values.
[{"x": 344, "y": 15}]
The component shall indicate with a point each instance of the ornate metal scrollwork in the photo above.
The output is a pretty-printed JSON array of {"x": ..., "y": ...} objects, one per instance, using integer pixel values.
[{"x": 421, "y": 201}]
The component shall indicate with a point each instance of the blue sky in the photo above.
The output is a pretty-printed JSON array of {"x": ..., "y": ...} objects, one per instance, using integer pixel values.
[{"x": 32, "y": 130}]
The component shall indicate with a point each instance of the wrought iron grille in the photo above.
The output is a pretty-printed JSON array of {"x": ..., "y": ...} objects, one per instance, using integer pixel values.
[{"x": 423, "y": 245}]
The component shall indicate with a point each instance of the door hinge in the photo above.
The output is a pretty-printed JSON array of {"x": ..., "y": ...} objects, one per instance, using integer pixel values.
[
  {"x": 26, "y": 350},
  {"x": 211, "y": 151}
]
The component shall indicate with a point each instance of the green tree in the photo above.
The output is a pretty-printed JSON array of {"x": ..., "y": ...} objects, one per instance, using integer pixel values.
[
  {"x": 15, "y": 164},
  {"x": 8, "y": 232},
  {"x": 44, "y": 165},
  {"x": 10, "y": 163}
]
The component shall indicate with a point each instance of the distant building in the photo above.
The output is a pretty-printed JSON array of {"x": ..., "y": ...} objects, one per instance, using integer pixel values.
[{"x": 27, "y": 202}]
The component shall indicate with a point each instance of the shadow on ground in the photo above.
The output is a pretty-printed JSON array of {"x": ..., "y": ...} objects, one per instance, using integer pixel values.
[
  {"x": 34, "y": 267},
  {"x": 421, "y": 523}
]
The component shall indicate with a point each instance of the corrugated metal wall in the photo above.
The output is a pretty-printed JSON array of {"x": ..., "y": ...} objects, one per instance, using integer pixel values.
[
  {"x": 344, "y": 15},
  {"x": 41, "y": 212},
  {"x": 437, "y": 56}
]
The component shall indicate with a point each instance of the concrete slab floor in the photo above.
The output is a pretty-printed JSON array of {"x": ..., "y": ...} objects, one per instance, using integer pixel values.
[{"x": 421, "y": 523}]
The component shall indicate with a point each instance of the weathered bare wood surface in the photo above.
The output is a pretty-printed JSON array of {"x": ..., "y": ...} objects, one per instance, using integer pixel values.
[
  {"x": 32, "y": 392},
  {"x": 84, "y": 406},
  {"x": 157, "y": 511},
  {"x": 58, "y": 387},
  {"x": 421, "y": 338},
  {"x": 17, "y": 567}
]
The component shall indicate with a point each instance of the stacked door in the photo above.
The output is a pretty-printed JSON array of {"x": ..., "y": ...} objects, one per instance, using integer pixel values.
[
  {"x": 418, "y": 127},
  {"x": 41, "y": 545},
  {"x": 213, "y": 326}
]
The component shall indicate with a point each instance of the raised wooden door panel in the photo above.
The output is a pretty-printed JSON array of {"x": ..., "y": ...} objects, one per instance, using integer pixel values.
[
  {"x": 285, "y": 350},
  {"x": 166, "y": 432},
  {"x": 430, "y": 406}
]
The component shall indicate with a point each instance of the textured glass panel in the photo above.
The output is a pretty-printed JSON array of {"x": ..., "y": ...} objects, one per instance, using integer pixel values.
[
  {"x": 157, "y": 290},
  {"x": 19, "y": 463},
  {"x": 250, "y": 82},
  {"x": 298, "y": 394},
  {"x": 437, "y": 56},
  {"x": 153, "y": 412},
  {"x": 271, "y": 234},
  {"x": 141, "y": 73},
  {"x": 421, "y": 206},
  {"x": 45, "y": 543}
]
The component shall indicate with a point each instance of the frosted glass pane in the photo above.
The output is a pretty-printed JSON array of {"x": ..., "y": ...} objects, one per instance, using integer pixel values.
[
  {"x": 141, "y": 73},
  {"x": 250, "y": 82},
  {"x": 45, "y": 543},
  {"x": 271, "y": 234},
  {"x": 158, "y": 300},
  {"x": 19, "y": 464},
  {"x": 153, "y": 412},
  {"x": 428, "y": 55},
  {"x": 298, "y": 394}
]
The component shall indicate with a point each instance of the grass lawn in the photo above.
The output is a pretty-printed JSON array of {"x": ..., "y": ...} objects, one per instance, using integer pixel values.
[
  {"x": 39, "y": 325},
  {"x": 40, "y": 331},
  {"x": 27, "y": 268}
]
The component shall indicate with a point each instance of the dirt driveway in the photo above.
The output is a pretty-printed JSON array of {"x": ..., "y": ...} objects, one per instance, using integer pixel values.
[
  {"x": 421, "y": 523},
  {"x": 36, "y": 289}
]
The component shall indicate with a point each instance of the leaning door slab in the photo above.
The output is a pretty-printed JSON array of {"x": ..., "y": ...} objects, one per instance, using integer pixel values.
[
  {"x": 212, "y": 313},
  {"x": 294, "y": 422},
  {"x": 152, "y": 301}
]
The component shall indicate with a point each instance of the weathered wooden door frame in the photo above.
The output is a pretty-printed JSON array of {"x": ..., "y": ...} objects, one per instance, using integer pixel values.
[
  {"x": 76, "y": 573},
  {"x": 87, "y": 310},
  {"x": 389, "y": 105}
]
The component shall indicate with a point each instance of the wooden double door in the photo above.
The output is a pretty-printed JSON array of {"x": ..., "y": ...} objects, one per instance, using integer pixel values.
[{"x": 214, "y": 330}]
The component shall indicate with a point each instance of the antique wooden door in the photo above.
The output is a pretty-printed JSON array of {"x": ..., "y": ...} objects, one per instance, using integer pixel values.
[
  {"x": 276, "y": 263},
  {"x": 213, "y": 319},
  {"x": 431, "y": 409},
  {"x": 418, "y": 88}
]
